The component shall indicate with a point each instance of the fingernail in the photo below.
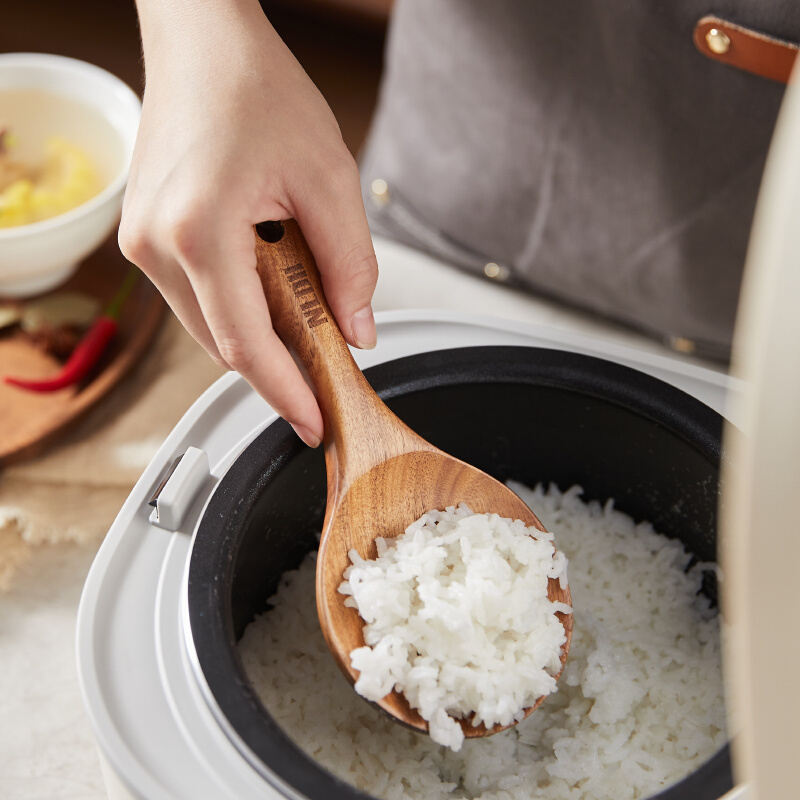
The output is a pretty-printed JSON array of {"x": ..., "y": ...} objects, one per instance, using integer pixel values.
[
  {"x": 364, "y": 332},
  {"x": 311, "y": 439}
]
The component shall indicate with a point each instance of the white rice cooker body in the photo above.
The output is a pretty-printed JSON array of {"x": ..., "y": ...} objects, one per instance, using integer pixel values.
[{"x": 159, "y": 735}]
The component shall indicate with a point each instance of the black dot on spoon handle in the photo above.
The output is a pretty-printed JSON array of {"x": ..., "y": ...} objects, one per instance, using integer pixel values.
[{"x": 271, "y": 232}]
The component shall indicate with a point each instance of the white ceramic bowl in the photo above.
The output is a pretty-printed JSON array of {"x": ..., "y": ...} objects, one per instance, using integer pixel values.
[{"x": 45, "y": 95}]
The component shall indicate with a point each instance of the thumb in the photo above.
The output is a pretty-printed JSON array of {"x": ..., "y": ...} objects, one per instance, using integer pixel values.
[{"x": 334, "y": 223}]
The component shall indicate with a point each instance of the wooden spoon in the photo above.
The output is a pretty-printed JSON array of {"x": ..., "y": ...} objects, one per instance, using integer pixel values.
[{"x": 381, "y": 475}]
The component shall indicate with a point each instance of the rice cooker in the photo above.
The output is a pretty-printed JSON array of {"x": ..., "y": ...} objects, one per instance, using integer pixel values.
[
  {"x": 174, "y": 584},
  {"x": 232, "y": 499}
]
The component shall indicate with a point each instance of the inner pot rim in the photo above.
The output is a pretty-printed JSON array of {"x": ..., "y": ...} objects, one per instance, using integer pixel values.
[{"x": 211, "y": 630}]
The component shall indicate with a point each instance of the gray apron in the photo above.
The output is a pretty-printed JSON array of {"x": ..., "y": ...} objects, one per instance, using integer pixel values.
[{"x": 580, "y": 149}]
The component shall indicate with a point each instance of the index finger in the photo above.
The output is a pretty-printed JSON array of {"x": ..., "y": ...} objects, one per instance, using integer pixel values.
[{"x": 232, "y": 300}]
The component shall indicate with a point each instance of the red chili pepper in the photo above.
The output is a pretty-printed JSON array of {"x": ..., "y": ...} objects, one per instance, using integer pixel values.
[{"x": 88, "y": 350}]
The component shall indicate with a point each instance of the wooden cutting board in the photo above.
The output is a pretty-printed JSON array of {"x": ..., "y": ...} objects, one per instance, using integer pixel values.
[{"x": 30, "y": 422}]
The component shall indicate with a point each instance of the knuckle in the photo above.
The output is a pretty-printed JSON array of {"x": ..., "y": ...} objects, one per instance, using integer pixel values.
[
  {"x": 237, "y": 353},
  {"x": 342, "y": 170},
  {"x": 360, "y": 268},
  {"x": 186, "y": 232},
  {"x": 183, "y": 234},
  {"x": 134, "y": 243}
]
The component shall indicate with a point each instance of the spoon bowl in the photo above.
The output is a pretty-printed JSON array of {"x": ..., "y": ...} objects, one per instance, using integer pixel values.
[{"x": 381, "y": 475}]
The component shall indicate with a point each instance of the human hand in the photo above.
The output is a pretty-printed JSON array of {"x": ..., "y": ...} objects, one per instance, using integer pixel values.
[{"x": 233, "y": 132}]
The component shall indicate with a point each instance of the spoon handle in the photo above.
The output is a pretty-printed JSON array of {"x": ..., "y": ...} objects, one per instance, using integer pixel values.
[{"x": 354, "y": 416}]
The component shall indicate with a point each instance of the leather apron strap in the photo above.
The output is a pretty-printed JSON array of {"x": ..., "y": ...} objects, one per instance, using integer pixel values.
[{"x": 745, "y": 49}]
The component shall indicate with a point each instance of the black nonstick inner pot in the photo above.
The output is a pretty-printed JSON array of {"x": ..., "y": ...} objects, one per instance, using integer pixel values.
[{"x": 524, "y": 413}]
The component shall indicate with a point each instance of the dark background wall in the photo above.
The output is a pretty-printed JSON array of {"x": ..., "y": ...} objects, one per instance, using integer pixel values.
[{"x": 338, "y": 42}]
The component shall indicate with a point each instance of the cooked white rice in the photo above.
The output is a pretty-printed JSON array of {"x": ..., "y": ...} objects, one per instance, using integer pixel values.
[
  {"x": 638, "y": 707},
  {"x": 459, "y": 619}
]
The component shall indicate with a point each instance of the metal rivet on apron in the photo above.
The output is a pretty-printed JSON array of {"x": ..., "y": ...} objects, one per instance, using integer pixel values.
[
  {"x": 682, "y": 345},
  {"x": 496, "y": 272},
  {"x": 380, "y": 191},
  {"x": 718, "y": 41}
]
